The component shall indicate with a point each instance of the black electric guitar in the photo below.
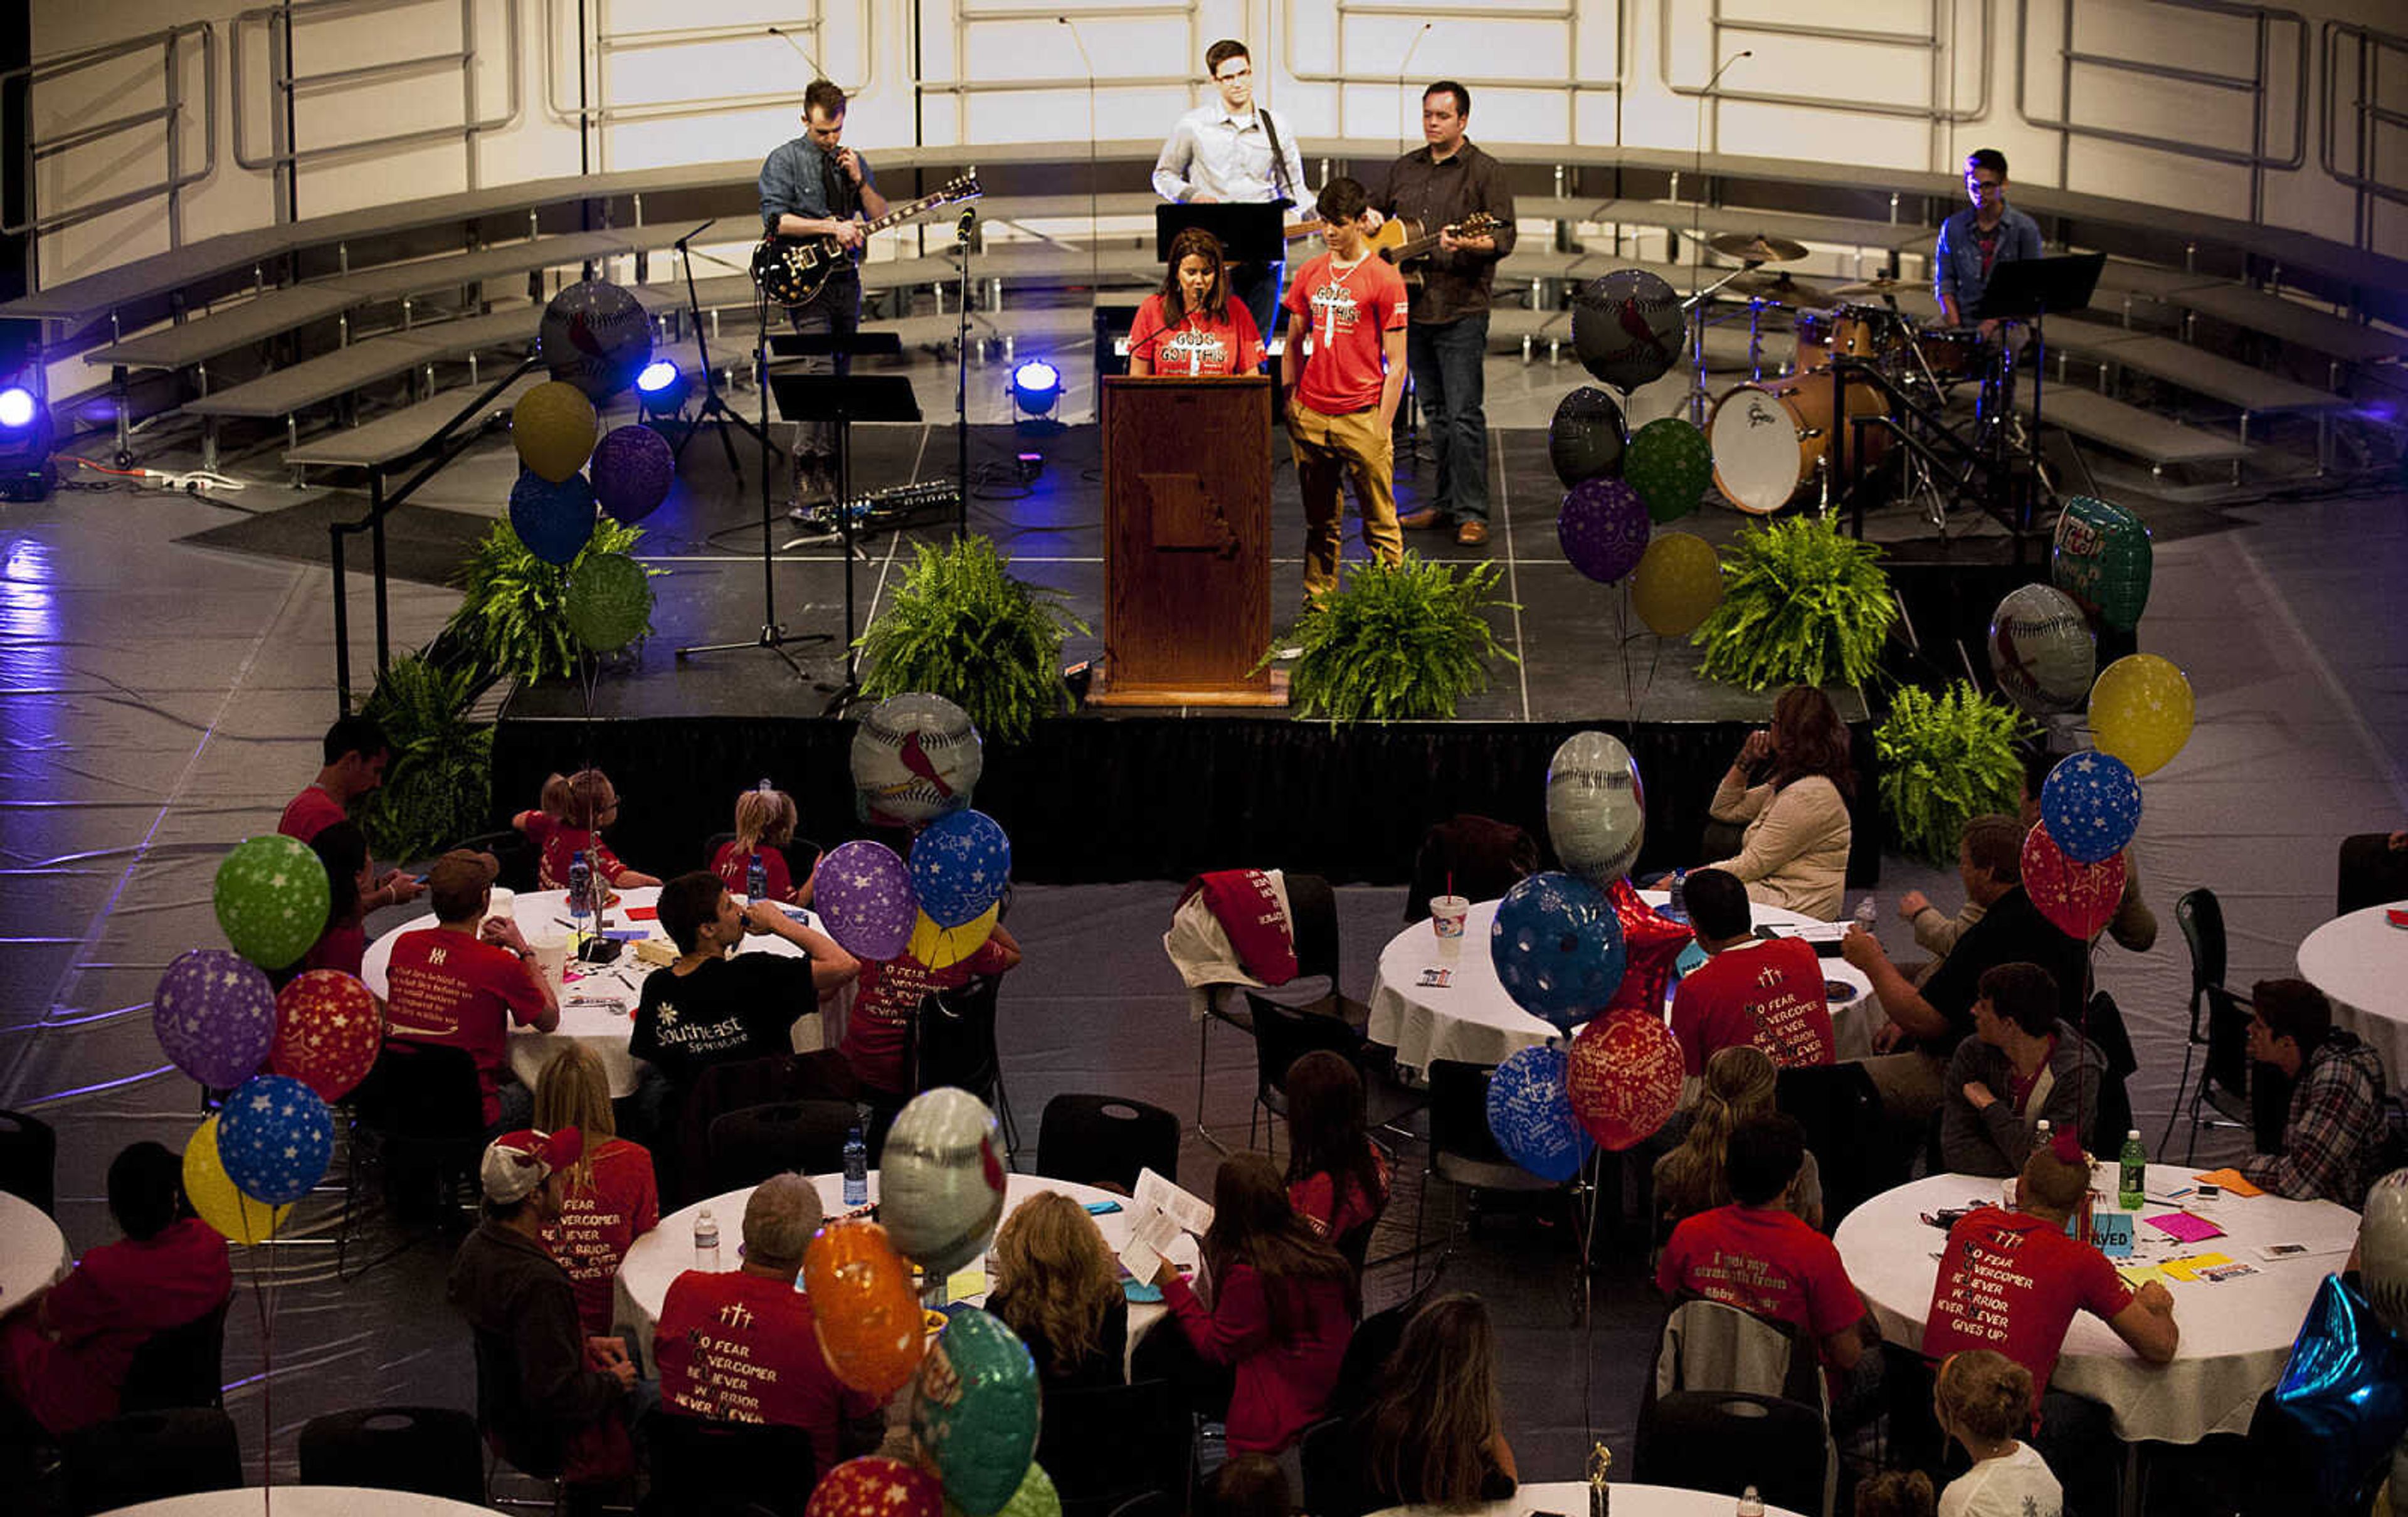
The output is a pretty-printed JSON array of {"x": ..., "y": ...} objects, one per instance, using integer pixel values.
[
  {"x": 1400, "y": 239},
  {"x": 792, "y": 271}
]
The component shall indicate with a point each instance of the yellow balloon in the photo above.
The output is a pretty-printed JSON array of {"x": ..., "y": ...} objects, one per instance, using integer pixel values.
[
  {"x": 1678, "y": 581},
  {"x": 553, "y": 425},
  {"x": 941, "y": 948},
  {"x": 2141, "y": 711},
  {"x": 216, "y": 1197}
]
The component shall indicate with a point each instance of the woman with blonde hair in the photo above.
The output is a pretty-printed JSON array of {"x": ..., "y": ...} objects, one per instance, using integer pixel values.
[
  {"x": 612, "y": 1198},
  {"x": 1794, "y": 851},
  {"x": 1984, "y": 1400},
  {"x": 766, "y": 821},
  {"x": 1739, "y": 1083},
  {"x": 1058, "y": 1287}
]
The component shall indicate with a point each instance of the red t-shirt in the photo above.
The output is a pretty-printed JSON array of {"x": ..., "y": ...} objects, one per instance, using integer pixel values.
[
  {"x": 461, "y": 992},
  {"x": 2012, "y": 1283},
  {"x": 1348, "y": 315},
  {"x": 118, "y": 1297},
  {"x": 557, "y": 847},
  {"x": 1764, "y": 1261},
  {"x": 734, "y": 869},
  {"x": 739, "y": 1348},
  {"x": 309, "y": 813},
  {"x": 877, "y": 1029},
  {"x": 343, "y": 947},
  {"x": 1198, "y": 345},
  {"x": 1313, "y": 1196},
  {"x": 1767, "y": 994},
  {"x": 599, "y": 1223}
]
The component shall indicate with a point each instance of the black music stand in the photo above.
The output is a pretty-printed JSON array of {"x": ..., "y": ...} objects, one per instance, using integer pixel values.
[
  {"x": 2027, "y": 289},
  {"x": 844, "y": 400},
  {"x": 1252, "y": 233}
]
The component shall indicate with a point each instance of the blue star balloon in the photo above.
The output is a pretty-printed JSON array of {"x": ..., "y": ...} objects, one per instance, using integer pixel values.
[
  {"x": 274, "y": 1138},
  {"x": 960, "y": 866},
  {"x": 2344, "y": 1396},
  {"x": 1557, "y": 948},
  {"x": 1530, "y": 1113},
  {"x": 2091, "y": 803}
]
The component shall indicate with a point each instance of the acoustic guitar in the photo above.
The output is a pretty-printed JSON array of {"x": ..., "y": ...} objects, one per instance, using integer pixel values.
[
  {"x": 792, "y": 271},
  {"x": 1401, "y": 240}
]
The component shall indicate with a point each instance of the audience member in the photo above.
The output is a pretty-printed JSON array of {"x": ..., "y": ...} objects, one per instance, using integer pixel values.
[
  {"x": 1739, "y": 1083},
  {"x": 1432, "y": 1435},
  {"x": 1251, "y": 1485},
  {"x": 2023, "y": 1064},
  {"x": 1283, "y": 1307},
  {"x": 343, "y": 848},
  {"x": 611, "y": 1198},
  {"x": 66, "y": 1350},
  {"x": 2133, "y": 927},
  {"x": 1337, "y": 1177},
  {"x": 766, "y": 821},
  {"x": 568, "y": 820},
  {"x": 461, "y": 983},
  {"x": 1935, "y": 933},
  {"x": 1057, "y": 1285},
  {"x": 1757, "y": 1255},
  {"x": 714, "y": 1005},
  {"x": 1895, "y": 1492},
  {"x": 357, "y": 753},
  {"x": 1928, "y": 1025},
  {"x": 1795, "y": 851},
  {"x": 877, "y": 1040},
  {"x": 1984, "y": 1400},
  {"x": 740, "y": 1347},
  {"x": 2332, "y": 1138},
  {"x": 1766, "y": 993}
]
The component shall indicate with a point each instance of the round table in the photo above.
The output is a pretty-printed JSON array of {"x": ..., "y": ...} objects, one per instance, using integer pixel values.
[
  {"x": 2236, "y": 1334},
  {"x": 1472, "y": 1018},
  {"x": 666, "y": 1251},
  {"x": 304, "y": 1502},
  {"x": 33, "y": 1251},
  {"x": 2361, "y": 962},
  {"x": 1569, "y": 1498},
  {"x": 597, "y": 1005}
]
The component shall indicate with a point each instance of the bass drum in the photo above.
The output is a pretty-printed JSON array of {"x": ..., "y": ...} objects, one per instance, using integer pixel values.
[{"x": 1767, "y": 437}]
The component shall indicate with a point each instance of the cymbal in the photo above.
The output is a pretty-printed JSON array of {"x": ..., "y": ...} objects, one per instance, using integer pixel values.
[
  {"x": 1759, "y": 249},
  {"x": 1881, "y": 286},
  {"x": 1766, "y": 284}
]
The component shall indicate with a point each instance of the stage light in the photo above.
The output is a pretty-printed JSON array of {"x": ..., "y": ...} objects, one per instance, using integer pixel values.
[
  {"x": 1036, "y": 385},
  {"x": 26, "y": 472},
  {"x": 657, "y": 375},
  {"x": 16, "y": 407}
]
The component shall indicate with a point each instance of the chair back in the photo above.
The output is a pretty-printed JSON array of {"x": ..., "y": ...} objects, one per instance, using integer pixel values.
[
  {"x": 1105, "y": 1139},
  {"x": 2200, "y": 916},
  {"x": 1481, "y": 856},
  {"x": 702, "y": 1466},
  {"x": 179, "y": 1367},
  {"x": 1458, "y": 1112},
  {"x": 29, "y": 1159},
  {"x": 2227, "y": 1041},
  {"x": 151, "y": 1456},
  {"x": 2371, "y": 873},
  {"x": 1840, "y": 1111},
  {"x": 1724, "y": 1442},
  {"x": 1313, "y": 924},
  {"x": 2103, "y": 1025},
  {"x": 512, "y": 1426},
  {"x": 510, "y": 848},
  {"x": 1151, "y": 1504},
  {"x": 1282, "y": 1036},
  {"x": 953, "y": 1040},
  {"x": 1107, "y": 1445},
  {"x": 429, "y": 1451},
  {"x": 751, "y": 1143},
  {"x": 722, "y": 1088},
  {"x": 711, "y": 847},
  {"x": 423, "y": 1092},
  {"x": 1330, "y": 1457}
]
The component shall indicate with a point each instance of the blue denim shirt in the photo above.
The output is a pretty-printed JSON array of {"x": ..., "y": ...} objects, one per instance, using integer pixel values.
[
  {"x": 792, "y": 182},
  {"x": 1956, "y": 261}
]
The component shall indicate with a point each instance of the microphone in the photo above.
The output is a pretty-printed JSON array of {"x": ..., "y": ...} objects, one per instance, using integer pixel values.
[
  {"x": 790, "y": 39},
  {"x": 1403, "y": 63},
  {"x": 963, "y": 224}
]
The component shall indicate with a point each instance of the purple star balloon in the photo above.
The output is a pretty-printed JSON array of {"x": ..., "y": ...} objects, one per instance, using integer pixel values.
[
  {"x": 1603, "y": 528},
  {"x": 631, "y": 470},
  {"x": 215, "y": 1014},
  {"x": 864, "y": 892}
]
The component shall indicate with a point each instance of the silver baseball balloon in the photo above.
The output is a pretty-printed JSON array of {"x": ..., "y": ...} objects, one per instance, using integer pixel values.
[
  {"x": 2382, "y": 1250},
  {"x": 940, "y": 1180},
  {"x": 1597, "y": 814}
]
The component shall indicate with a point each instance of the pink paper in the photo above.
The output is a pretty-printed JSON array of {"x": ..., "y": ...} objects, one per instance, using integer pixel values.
[{"x": 2184, "y": 1229}]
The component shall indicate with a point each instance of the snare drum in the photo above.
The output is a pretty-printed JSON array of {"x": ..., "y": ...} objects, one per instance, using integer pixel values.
[
  {"x": 1852, "y": 331},
  {"x": 1767, "y": 438},
  {"x": 1954, "y": 352}
]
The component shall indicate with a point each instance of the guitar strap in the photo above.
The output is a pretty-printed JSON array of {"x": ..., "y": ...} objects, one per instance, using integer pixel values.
[
  {"x": 1279, "y": 157},
  {"x": 842, "y": 200}
]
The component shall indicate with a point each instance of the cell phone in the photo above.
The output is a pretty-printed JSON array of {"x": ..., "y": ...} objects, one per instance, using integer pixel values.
[{"x": 1103, "y": 1209}]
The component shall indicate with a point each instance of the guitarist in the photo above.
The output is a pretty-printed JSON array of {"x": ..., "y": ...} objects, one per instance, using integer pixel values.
[
  {"x": 815, "y": 186},
  {"x": 1234, "y": 151},
  {"x": 1446, "y": 343}
]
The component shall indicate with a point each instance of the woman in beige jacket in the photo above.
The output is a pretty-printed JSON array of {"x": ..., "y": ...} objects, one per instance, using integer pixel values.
[{"x": 1795, "y": 851}]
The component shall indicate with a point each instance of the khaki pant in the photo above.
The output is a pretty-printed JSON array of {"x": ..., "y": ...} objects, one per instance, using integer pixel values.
[{"x": 1329, "y": 448}]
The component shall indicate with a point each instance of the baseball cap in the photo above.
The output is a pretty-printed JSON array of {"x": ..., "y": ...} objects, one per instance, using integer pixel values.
[
  {"x": 516, "y": 1163},
  {"x": 457, "y": 880}
]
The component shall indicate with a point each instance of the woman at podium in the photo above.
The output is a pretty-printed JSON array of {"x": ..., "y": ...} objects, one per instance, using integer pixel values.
[{"x": 1190, "y": 328}]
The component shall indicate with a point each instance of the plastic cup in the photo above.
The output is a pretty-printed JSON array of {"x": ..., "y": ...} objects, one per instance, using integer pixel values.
[
  {"x": 551, "y": 960},
  {"x": 1447, "y": 913},
  {"x": 504, "y": 903}
]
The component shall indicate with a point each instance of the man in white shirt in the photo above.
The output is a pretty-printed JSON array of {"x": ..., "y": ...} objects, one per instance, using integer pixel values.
[{"x": 1235, "y": 151}]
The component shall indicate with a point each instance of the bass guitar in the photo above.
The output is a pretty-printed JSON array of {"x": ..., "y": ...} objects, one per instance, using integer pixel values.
[{"x": 792, "y": 271}]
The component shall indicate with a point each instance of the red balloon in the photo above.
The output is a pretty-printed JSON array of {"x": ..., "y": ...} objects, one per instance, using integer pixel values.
[
  {"x": 327, "y": 1032},
  {"x": 1624, "y": 1076},
  {"x": 2080, "y": 898},
  {"x": 876, "y": 1486},
  {"x": 1651, "y": 945}
]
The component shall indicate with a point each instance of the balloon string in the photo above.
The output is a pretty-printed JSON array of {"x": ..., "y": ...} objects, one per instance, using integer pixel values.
[
  {"x": 1622, "y": 645},
  {"x": 264, "y": 1305}
]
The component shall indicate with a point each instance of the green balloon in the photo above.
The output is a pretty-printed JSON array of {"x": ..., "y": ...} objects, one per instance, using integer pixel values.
[
  {"x": 609, "y": 602},
  {"x": 1036, "y": 1497},
  {"x": 2101, "y": 557},
  {"x": 272, "y": 899},
  {"x": 974, "y": 1411},
  {"x": 1670, "y": 466}
]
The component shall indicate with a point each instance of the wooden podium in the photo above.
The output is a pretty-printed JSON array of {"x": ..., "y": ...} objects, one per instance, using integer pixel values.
[{"x": 1187, "y": 564}]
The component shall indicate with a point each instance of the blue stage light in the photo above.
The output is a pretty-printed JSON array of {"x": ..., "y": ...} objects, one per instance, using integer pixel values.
[
  {"x": 657, "y": 375},
  {"x": 1036, "y": 385},
  {"x": 16, "y": 407}
]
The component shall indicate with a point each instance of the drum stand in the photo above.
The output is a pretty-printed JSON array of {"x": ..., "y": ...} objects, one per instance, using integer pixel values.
[{"x": 1694, "y": 309}]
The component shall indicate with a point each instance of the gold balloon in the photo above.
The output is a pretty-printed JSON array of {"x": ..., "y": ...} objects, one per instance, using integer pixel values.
[
  {"x": 941, "y": 948},
  {"x": 1678, "y": 581},
  {"x": 216, "y": 1197},
  {"x": 2141, "y": 711},
  {"x": 553, "y": 425}
]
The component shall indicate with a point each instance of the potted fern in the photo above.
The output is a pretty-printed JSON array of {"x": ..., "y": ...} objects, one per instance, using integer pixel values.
[
  {"x": 1397, "y": 644},
  {"x": 440, "y": 784},
  {"x": 1802, "y": 605},
  {"x": 514, "y": 614},
  {"x": 1945, "y": 759},
  {"x": 961, "y": 627}
]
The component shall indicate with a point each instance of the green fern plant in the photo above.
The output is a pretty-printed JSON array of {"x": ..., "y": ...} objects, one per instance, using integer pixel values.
[
  {"x": 961, "y": 627},
  {"x": 514, "y": 615},
  {"x": 1802, "y": 605},
  {"x": 438, "y": 786},
  {"x": 1945, "y": 759},
  {"x": 1398, "y": 644}
]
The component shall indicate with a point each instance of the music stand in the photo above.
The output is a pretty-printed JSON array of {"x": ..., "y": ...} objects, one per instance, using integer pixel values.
[
  {"x": 2030, "y": 289},
  {"x": 1252, "y": 233},
  {"x": 844, "y": 400},
  {"x": 819, "y": 344}
]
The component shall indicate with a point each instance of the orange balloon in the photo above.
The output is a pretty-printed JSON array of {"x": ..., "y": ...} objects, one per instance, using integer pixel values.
[{"x": 863, "y": 1309}]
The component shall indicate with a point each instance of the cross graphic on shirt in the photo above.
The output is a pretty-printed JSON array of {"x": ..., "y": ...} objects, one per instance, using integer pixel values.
[
  {"x": 1333, "y": 304},
  {"x": 736, "y": 1314}
]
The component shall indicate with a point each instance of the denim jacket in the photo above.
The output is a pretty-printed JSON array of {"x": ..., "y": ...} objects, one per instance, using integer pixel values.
[
  {"x": 792, "y": 183},
  {"x": 1957, "y": 262}
]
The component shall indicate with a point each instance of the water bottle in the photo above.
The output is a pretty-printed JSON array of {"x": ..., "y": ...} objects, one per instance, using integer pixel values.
[
  {"x": 705, "y": 1241},
  {"x": 757, "y": 879},
  {"x": 1868, "y": 913},
  {"x": 1677, "y": 908},
  {"x": 857, "y": 1169},
  {"x": 581, "y": 887},
  {"x": 2131, "y": 1172},
  {"x": 764, "y": 787},
  {"x": 1750, "y": 1503}
]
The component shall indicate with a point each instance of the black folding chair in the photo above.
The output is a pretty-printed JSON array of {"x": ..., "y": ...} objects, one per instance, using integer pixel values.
[
  {"x": 429, "y": 1451},
  {"x": 2223, "y": 1086},
  {"x": 754, "y": 1142},
  {"x": 29, "y": 1155},
  {"x": 953, "y": 1043},
  {"x": 703, "y": 1467},
  {"x": 1105, "y": 1140},
  {"x": 1105, "y": 1446},
  {"x": 179, "y": 1367},
  {"x": 420, "y": 1116},
  {"x": 151, "y": 1456}
]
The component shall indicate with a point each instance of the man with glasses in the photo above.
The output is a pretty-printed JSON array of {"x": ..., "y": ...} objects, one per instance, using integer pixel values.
[
  {"x": 1976, "y": 240},
  {"x": 1234, "y": 151}
]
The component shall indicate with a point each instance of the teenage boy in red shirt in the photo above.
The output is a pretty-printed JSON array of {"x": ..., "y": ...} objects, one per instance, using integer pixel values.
[
  {"x": 1342, "y": 396},
  {"x": 1763, "y": 991},
  {"x": 461, "y": 983}
]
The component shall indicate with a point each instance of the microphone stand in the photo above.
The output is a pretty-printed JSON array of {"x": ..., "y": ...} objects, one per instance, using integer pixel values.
[
  {"x": 789, "y": 38},
  {"x": 1095, "y": 229},
  {"x": 964, "y": 227},
  {"x": 714, "y": 408},
  {"x": 1696, "y": 396},
  {"x": 1403, "y": 63}
]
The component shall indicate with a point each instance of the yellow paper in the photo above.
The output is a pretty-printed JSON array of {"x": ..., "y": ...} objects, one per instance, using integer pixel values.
[
  {"x": 2139, "y": 1275},
  {"x": 963, "y": 1283},
  {"x": 2188, "y": 1268},
  {"x": 2233, "y": 1181}
]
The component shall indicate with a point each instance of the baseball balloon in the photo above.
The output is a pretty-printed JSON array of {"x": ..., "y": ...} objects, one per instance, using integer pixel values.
[
  {"x": 1597, "y": 810},
  {"x": 940, "y": 1179},
  {"x": 595, "y": 337},
  {"x": 1627, "y": 327},
  {"x": 1585, "y": 438},
  {"x": 2041, "y": 650},
  {"x": 915, "y": 758}
]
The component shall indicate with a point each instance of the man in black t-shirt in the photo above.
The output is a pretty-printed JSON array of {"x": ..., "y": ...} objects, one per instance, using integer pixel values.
[
  {"x": 1926, "y": 1024},
  {"x": 713, "y": 1008}
]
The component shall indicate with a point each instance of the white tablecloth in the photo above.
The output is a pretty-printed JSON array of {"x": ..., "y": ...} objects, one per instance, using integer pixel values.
[
  {"x": 2235, "y": 1334},
  {"x": 32, "y": 1251},
  {"x": 666, "y": 1251},
  {"x": 598, "y": 1006},
  {"x": 1569, "y": 1498},
  {"x": 1474, "y": 1019},
  {"x": 2360, "y": 961},
  {"x": 305, "y": 1501}
]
